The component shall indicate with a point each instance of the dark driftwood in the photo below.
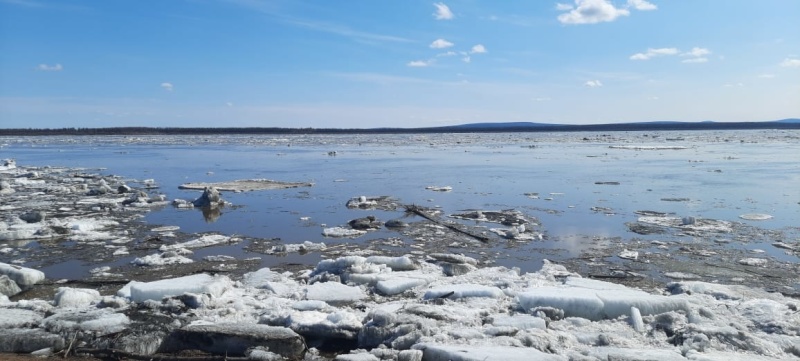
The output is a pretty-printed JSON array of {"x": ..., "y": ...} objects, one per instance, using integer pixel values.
[
  {"x": 121, "y": 355},
  {"x": 422, "y": 213}
]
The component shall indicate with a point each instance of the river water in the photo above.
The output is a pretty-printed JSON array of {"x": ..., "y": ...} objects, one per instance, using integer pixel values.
[{"x": 581, "y": 186}]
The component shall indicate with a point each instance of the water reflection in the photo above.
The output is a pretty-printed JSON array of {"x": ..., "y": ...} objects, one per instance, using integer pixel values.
[{"x": 211, "y": 213}]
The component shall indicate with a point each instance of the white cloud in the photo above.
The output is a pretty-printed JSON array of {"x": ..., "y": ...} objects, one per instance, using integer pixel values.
[
  {"x": 449, "y": 53},
  {"x": 641, "y": 5},
  {"x": 695, "y": 60},
  {"x": 790, "y": 63},
  {"x": 167, "y": 86},
  {"x": 229, "y": 104},
  {"x": 478, "y": 49},
  {"x": 591, "y": 12},
  {"x": 441, "y": 44},
  {"x": 442, "y": 12},
  {"x": 564, "y": 7},
  {"x": 466, "y": 59},
  {"x": 593, "y": 84},
  {"x": 651, "y": 53},
  {"x": 697, "y": 52},
  {"x": 419, "y": 63},
  {"x": 45, "y": 67},
  {"x": 766, "y": 76}
]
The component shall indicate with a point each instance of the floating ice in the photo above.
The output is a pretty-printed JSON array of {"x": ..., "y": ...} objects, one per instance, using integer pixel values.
[
  {"x": 626, "y": 254},
  {"x": 161, "y": 259},
  {"x": 648, "y": 147},
  {"x": 439, "y": 188},
  {"x": 757, "y": 262},
  {"x": 24, "y": 277},
  {"x": 306, "y": 246},
  {"x": 755, "y": 216},
  {"x": 199, "y": 283},
  {"x": 204, "y": 241},
  {"x": 340, "y": 232}
]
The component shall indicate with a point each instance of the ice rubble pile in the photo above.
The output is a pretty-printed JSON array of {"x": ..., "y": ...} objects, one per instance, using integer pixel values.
[
  {"x": 399, "y": 308},
  {"x": 88, "y": 207}
]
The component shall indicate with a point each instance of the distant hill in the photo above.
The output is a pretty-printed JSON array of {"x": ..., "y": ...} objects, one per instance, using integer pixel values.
[{"x": 791, "y": 123}]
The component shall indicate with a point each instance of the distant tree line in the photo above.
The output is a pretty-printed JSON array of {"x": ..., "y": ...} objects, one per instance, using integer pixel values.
[{"x": 447, "y": 129}]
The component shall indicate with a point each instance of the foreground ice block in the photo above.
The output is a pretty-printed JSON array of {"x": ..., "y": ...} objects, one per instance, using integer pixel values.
[
  {"x": 199, "y": 283},
  {"x": 234, "y": 339},
  {"x": 597, "y": 300},
  {"x": 24, "y": 277}
]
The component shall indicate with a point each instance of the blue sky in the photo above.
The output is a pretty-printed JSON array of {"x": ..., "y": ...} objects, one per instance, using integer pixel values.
[{"x": 409, "y": 63}]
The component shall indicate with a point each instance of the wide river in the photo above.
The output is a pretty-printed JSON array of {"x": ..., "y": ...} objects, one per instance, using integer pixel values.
[{"x": 581, "y": 186}]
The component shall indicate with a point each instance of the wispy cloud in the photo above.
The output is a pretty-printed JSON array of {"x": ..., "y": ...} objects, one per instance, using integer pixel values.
[
  {"x": 442, "y": 12},
  {"x": 478, "y": 49},
  {"x": 695, "y": 60},
  {"x": 272, "y": 10},
  {"x": 345, "y": 31},
  {"x": 419, "y": 63},
  {"x": 45, "y": 67},
  {"x": 593, "y": 84},
  {"x": 790, "y": 63},
  {"x": 766, "y": 76},
  {"x": 697, "y": 52},
  {"x": 28, "y": 3},
  {"x": 167, "y": 86},
  {"x": 652, "y": 53},
  {"x": 441, "y": 44},
  {"x": 641, "y": 5},
  {"x": 590, "y": 12},
  {"x": 696, "y": 56}
]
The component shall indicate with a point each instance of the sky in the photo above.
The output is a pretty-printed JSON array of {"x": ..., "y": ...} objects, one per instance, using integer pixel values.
[{"x": 395, "y": 63}]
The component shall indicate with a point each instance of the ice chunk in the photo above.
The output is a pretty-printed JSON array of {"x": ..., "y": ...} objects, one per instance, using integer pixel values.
[
  {"x": 597, "y": 300},
  {"x": 204, "y": 241},
  {"x": 310, "y": 305},
  {"x": 395, "y": 263},
  {"x": 161, "y": 259},
  {"x": 626, "y": 254},
  {"x": 339, "y": 324},
  {"x": 18, "y": 318},
  {"x": 432, "y": 352},
  {"x": 453, "y": 258},
  {"x": 341, "y": 232},
  {"x": 337, "y": 266},
  {"x": 631, "y": 354},
  {"x": 8, "y": 287},
  {"x": 463, "y": 291},
  {"x": 636, "y": 320},
  {"x": 76, "y": 297},
  {"x": 398, "y": 285},
  {"x": 521, "y": 322},
  {"x": 234, "y": 339},
  {"x": 755, "y": 216},
  {"x": 199, "y": 283},
  {"x": 334, "y": 292},
  {"x": 361, "y": 356},
  {"x": 21, "y": 340},
  {"x": 101, "y": 322},
  {"x": 306, "y": 246},
  {"x": 756, "y": 262},
  {"x": 24, "y": 277}
]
